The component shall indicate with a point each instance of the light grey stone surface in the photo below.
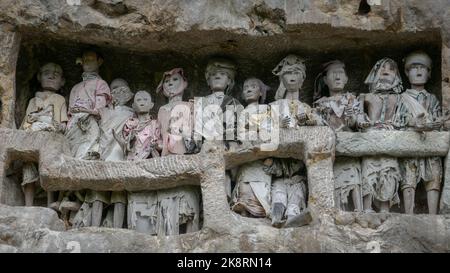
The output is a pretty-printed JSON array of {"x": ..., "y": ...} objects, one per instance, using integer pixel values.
[
  {"x": 241, "y": 29},
  {"x": 22, "y": 231},
  {"x": 398, "y": 144}
]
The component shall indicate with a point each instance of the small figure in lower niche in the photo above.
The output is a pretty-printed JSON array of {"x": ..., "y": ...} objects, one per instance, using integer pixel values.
[
  {"x": 251, "y": 195},
  {"x": 289, "y": 190}
]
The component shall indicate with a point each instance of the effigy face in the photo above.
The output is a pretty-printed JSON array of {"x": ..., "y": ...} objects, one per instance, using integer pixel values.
[
  {"x": 220, "y": 75},
  {"x": 251, "y": 90},
  {"x": 173, "y": 85},
  {"x": 91, "y": 62},
  {"x": 336, "y": 78},
  {"x": 292, "y": 80},
  {"x": 387, "y": 73},
  {"x": 142, "y": 102},
  {"x": 120, "y": 92},
  {"x": 51, "y": 77},
  {"x": 418, "y": 74}
]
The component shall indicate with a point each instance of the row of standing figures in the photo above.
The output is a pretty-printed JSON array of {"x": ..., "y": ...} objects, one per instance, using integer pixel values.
[{"x": 100, "y": 126}]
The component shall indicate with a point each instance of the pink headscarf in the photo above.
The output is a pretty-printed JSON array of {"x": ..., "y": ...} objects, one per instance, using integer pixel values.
[{"x": 169, "y": 73}]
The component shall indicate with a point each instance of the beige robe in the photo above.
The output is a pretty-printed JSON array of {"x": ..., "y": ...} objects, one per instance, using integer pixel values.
[
  {"x": 42, "y": 102},
  {"x": 52, "y": 109}
]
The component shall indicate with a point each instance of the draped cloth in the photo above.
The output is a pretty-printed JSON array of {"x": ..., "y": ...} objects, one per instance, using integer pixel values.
[
  {"x": 378, "y": 86},
  {"x": 178, "y": 206},
  {"x": 347, "y": 177},
  {"x": 288, "y": 187},
  {"x": 176, "y": 121},
  {"x": 83, "y": 131},
  {"x": 292, "y": 108},
  {"x": 291, "y": 192},
  {"x": 50, "y": 110},
  {"x": 113, "y": 118},
  {"x": 412, "y": 104},
  {"x": 332, "y": 111},
  {"x": 181, "y": 205},
  {"x": 143, "y": 135},
  {"x": 218, "y": 121},
  {"x": 382, "y": 175},
  {"x": 347, "y": 171},
  {"x": 252, "y": 190},
  {"x": 143, "y": 212},
  {"x": 50, "y": 107}
]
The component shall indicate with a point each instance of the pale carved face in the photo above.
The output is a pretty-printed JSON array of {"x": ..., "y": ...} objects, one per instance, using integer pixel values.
[
  {"x": 142, "y": 102},
  {"x": 251, "y": 91},
  {"x": 336, "y": 78},
  {"x": 51, "y": 77},
  {"x": 387, "y": 73},
  {"x": 218, "y": 81},
  {"x": 91, "y": 62},
  {"x": 418, "y": 74},
  {"x": 292, "y": 80},
  {"x": 173, "y": 85},
  {"x": 120, "y": 92}
]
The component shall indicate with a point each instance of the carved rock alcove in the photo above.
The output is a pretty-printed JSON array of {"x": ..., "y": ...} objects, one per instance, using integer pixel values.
[
  {"x": 139, "y": 42},
  {"x": 143, "y": 67}
]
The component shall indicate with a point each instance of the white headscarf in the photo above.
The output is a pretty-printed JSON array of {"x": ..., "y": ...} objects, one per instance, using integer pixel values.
[
  {"x": 373, "y": 80},
  {"x": 289, "y": 64}
]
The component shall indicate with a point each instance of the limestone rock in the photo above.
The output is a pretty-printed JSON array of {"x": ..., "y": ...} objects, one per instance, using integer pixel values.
[{"x": 256, "y": 33}]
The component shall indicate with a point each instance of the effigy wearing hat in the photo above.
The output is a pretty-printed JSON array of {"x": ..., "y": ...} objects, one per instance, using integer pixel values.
[{"x": 418, "y": 57}]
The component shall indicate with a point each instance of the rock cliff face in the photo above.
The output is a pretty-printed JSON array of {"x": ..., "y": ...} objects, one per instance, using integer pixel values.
[{"x": 148, "y": 37}]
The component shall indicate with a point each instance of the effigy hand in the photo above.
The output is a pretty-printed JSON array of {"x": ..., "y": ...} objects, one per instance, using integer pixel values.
[
  {"x": 348, "y": 110},
  {"x": 301, "y": 118},
  {"x": 362, "y": 123},
  {"x": 311, "y": 122},
  {"x": 285, "y": 122}
]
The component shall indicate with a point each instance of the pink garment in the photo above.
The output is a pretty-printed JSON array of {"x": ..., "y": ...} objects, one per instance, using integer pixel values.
[
  {"x": 83, "y": 131},
  {"x": 86, "y": 94},
  {"x": 143, "y": 136}
]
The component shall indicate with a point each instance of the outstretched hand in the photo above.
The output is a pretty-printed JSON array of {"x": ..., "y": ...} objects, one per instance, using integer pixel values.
[
  {"x": 429, "y": 126},
  {"x": 311, "y": 122},
  {"x": 363, "y": 124},
  {"x": 285, "y": 122},
  {"x": 302, "y": 118}
]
